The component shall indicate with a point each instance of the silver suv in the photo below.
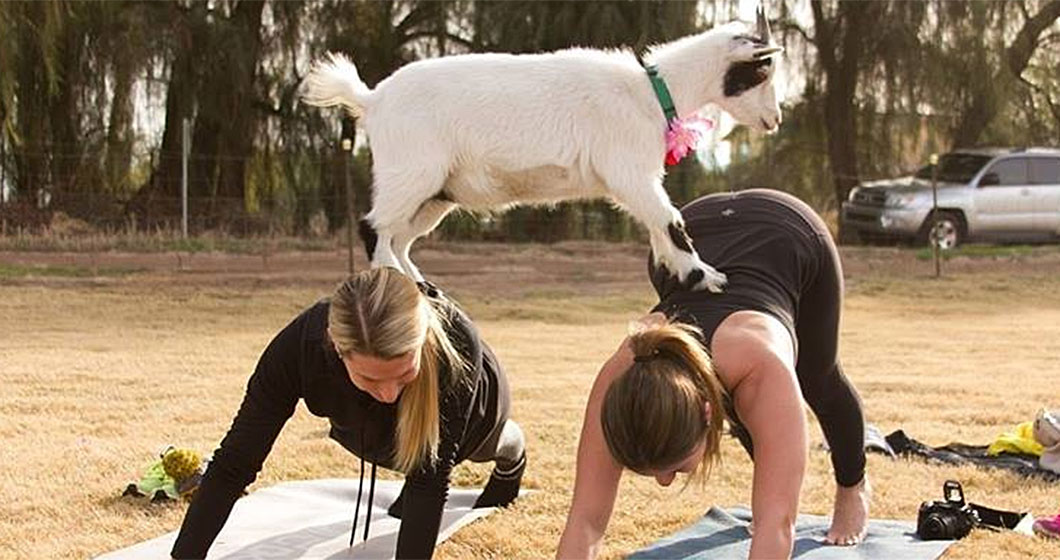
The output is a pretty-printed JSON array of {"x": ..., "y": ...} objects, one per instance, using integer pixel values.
[{"x": 1003, "y": 194}]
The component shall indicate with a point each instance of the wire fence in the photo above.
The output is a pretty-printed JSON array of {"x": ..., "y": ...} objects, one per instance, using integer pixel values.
[{"x": 304, "y": 194}]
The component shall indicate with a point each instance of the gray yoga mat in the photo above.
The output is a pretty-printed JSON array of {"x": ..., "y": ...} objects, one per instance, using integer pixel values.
[
  {"x": 311, "y": 519},
  {"x": 723, "y": 534}
]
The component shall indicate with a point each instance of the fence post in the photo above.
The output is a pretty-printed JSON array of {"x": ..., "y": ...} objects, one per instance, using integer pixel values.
[
  {"x": 935, "y": 213},
  {"x": 3, "y": 183},
  {"x": 349, "y": 134},
  {"x": 185, "y": 147}
]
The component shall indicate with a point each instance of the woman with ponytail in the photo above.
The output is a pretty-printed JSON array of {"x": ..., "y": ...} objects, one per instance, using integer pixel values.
[
  {"x": 750, "y": 354},
  {"x": 405, "y": 382}
]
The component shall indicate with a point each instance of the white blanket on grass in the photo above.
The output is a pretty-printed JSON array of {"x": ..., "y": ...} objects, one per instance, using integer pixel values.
[{"x": 311, "y": 519}]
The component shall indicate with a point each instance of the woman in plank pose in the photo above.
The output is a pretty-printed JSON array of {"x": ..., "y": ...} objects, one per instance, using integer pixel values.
[
  {"x": 406, "y": 383},
  {"x": 753, "y": 353}
]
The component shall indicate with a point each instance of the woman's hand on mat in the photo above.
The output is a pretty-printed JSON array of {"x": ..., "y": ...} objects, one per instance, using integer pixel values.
[
  {"x": 597, "y": 474},
  {"x": 772, "y": 540}
]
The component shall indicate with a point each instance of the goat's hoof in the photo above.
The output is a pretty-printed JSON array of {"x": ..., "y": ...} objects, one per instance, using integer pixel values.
[
  {"x": 709, "y": 279},
  {"x": 694, "y": 279}
]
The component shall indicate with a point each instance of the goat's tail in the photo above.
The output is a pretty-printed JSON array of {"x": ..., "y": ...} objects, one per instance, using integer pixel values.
[{"x": 334, "y": 81}]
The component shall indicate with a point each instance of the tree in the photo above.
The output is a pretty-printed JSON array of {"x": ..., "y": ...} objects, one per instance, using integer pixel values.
[
  {"x": 842, "y": 36},
  {"x": 985, "y": 98}
]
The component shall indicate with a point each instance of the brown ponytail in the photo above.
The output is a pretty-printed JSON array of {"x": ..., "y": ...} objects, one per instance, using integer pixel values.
[{"x": 652, "y": 413}]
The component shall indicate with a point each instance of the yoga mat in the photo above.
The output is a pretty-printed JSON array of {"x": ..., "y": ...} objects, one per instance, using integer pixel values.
[
  {"x": 723, "y": 534},
  {"x": 311, "y": 519}
]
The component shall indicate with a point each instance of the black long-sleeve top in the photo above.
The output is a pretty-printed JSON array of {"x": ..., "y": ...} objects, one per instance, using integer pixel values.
[{"x": 301, "y": 363}]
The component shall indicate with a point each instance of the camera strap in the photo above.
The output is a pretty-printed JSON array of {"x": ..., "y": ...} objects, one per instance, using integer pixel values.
[{"x": 997, "y": 518}]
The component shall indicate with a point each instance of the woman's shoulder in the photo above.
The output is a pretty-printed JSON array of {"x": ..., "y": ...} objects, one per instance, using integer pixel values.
[
  {"x": 314, "y": 320},
  {"x": 305, "y": 336}
]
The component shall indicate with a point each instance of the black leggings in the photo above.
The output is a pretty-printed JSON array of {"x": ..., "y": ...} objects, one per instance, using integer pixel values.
[
  {"x": 828, "y": 392},
  {"x": 780, "y": 260}
]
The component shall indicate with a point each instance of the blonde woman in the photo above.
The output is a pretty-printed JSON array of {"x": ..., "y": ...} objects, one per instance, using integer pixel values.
[
  {"x": 406, "y": 383},
  {"x": 658, "y": 404}
]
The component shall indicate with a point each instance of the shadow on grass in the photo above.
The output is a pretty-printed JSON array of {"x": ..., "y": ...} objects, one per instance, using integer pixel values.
[{"x": 140, "y": 506}]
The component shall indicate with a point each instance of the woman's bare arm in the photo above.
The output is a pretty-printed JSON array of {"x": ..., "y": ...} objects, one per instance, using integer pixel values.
[
  {"x": 597, "y": 476},
  {"x": 755, "y": 353}
]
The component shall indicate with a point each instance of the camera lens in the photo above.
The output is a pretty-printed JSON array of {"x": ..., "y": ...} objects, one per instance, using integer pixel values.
[{"x": 936, "y": 526}]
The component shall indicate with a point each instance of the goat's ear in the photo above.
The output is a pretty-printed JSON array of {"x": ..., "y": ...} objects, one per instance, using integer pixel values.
[
  {"x": 748, "y": 47},
  {"x": 762, "y": 53}
]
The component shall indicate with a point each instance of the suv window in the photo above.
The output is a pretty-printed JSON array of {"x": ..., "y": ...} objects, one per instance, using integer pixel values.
[
  {"x": 956, "y": 168},
  {"x": 1010, "y": 171},
  {"x": 1045, "y": 171}
]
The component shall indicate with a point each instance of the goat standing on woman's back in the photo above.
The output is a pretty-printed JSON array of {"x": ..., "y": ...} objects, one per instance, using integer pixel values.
[{"x": 487, "y": 131}]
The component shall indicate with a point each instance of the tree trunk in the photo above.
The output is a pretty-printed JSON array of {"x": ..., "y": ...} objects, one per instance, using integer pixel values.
[
  {"x": 119, "y": 128},
  {"x": 238, "y": 88},
  {"x": 159, "y": 200},
  {"x": 32, "y": 90},
  {"x": 841, "y": 43},
  {"x": 71, "y": 189},
  {"x": 988, "y": 96}
]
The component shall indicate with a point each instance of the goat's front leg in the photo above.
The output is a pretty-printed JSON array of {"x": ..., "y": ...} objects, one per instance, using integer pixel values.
[{"x": 670, "y": 243}]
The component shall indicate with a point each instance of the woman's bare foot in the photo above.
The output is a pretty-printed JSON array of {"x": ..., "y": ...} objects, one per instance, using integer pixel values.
[{"x": 851, "y": 514}]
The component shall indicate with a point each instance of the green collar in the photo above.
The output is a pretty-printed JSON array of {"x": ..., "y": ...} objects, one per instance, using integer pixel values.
[{"x": 662, "y": 92}]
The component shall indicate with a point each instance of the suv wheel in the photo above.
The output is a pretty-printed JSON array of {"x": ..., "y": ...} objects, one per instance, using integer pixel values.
[{"x": 946, "y": 230}]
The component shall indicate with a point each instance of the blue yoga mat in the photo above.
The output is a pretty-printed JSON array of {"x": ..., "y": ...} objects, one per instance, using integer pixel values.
[{"x": 723, "y": 534}]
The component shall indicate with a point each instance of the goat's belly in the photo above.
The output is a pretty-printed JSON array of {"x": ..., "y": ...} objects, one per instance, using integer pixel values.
[{"x": 486, "y": 189}]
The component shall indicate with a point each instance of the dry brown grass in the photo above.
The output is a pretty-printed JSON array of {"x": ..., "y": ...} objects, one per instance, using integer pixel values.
[{"x": 98, "y": 374}]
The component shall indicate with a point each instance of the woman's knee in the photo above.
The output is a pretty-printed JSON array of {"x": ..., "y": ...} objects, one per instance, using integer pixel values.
[{"x": 512, "y": 443}]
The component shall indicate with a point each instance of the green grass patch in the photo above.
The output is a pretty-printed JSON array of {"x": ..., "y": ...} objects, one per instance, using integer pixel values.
[
  {"x": 988, "y": 251},
  {"x": 22, "y": 271}
]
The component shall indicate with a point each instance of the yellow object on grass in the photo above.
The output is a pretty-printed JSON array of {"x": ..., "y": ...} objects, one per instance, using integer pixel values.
[
  {"x": 181, "y": 463},
  {"x": 1020, "y": 441}
]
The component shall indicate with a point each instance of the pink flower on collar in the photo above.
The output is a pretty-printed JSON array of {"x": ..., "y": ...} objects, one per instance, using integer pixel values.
[{"x": 683, "y": 135}]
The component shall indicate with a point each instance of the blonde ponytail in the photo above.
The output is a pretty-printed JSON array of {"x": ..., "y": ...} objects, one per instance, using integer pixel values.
[
  {"x": 418, "y": 427},
  {"x": 653, "y": 413}
]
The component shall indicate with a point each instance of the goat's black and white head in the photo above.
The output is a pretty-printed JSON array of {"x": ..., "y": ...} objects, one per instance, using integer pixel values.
[{"x": 748, "y": 90}]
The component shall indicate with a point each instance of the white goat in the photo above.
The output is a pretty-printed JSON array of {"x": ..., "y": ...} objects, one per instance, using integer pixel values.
[{"x": 488, "y": 131}]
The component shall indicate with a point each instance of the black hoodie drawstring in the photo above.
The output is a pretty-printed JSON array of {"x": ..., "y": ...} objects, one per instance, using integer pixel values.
[
  {"x": 360, "y": 491},
  {"x": 371, "y": 500}
]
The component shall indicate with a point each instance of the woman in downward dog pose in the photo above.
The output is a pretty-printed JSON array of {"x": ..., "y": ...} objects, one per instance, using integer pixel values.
[
  {"x": 406, "y": 383},
  {"x": 752, "y": 353}
]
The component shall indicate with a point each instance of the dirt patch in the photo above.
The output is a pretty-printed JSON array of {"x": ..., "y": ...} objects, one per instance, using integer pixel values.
[{"x": 483, "y": 268}]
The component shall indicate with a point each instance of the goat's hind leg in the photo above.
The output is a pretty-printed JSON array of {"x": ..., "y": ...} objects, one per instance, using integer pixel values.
[
  {"x": 670, "y": 242},
  {"x": 427, "y": 217},
  {"x": 398, "y": 196}
]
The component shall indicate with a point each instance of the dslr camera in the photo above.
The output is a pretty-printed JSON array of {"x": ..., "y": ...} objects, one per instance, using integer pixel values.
[{"x": 950, "y": 519}]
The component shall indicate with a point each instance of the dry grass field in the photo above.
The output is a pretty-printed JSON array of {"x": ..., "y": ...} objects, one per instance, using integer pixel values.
[{"x": 105, "y": 358}]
